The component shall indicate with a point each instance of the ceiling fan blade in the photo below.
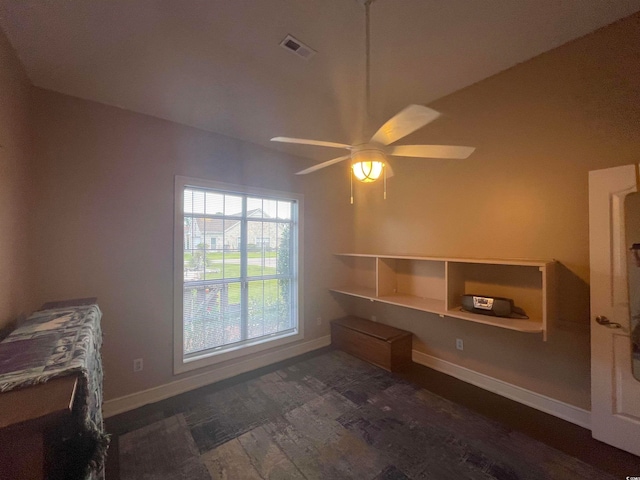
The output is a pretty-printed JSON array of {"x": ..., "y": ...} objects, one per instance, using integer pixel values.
[
  {"x": 323, "y": 164},
  {"x": 431, "y": 151},
  {"x": 305, "y": 141},
  {"x": 402, "y": 124}
]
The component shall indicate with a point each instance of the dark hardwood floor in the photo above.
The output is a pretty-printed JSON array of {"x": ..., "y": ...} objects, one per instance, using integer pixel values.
[
  {"x": 555, "y": 432},
  {"x": 564, "y": 436}
]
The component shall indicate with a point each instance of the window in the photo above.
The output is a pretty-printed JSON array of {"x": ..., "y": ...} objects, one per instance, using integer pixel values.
[{"x": 237, "y": 284}]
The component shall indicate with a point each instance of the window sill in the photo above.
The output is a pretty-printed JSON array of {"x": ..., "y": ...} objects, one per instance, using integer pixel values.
[{"x": 182, "y": 365}]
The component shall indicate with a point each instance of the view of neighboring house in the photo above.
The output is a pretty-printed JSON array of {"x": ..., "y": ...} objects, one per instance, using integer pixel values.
[{"x": 219, "y": 234}]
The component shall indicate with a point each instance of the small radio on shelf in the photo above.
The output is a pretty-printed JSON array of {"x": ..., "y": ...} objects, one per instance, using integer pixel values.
[{"x": 494, "y": 306}]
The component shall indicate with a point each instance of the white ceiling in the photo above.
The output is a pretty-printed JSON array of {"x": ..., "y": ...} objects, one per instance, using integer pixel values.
[{"x": 217, "y": 65}]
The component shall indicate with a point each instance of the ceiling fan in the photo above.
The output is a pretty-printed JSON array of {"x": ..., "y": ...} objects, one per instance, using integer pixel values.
[{"x": 369, "y": 160}]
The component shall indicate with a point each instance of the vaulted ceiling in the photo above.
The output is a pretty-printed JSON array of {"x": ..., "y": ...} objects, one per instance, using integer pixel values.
[{"x": 217, "y": 65}]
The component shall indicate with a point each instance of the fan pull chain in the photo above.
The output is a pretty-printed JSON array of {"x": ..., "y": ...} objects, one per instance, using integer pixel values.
[
  {"x": 351, "y": 182},
  {"x": 384, "y": 167}
]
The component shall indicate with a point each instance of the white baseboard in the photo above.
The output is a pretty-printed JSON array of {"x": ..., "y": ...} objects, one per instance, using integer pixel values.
[
  {"x": 562, "y": 410},
  {"x": 565, "y": 411},
  {"x": 155, "y": 394}
]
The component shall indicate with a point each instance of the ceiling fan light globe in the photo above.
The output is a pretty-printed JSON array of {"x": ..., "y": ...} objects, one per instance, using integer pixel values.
[
  {"x": 367, "y": 165},
  {"x": 367, "y": 171}
]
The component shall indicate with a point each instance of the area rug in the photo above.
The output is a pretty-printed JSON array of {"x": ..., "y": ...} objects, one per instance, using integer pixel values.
[{"x": 335, "y": 417}]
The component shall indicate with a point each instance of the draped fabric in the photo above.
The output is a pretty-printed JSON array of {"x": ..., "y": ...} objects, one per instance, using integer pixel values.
[{"x": 54, "y": 343}]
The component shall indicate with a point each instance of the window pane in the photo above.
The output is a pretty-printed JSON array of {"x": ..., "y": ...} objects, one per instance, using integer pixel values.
[
  {"x": 254, "y": 207},
  {"x": 267, "y": 309},
  {"x": 231, "y": 300},
  {"x": 257, "y": 248},
  {"x": 188, "y": 200},
  {"x": 215, "y": 265},
  {"x": 256, "y": 310},
  {"x": 198, "y": 201},
  {"x": 214, "y": 203},
  {"x": 194, "y": 258},
  {"x": 284, "y": 210},
  {"x": 270, "y": 208},
  {"x": 283, "y": 249},
  {"x": 231, "y": 253},
  {"x": 186, "y": 227},
  {"x": 212, "y": 241},
  {"x": 232, "y": 205},
  {"x": 285, "y": 320},
  {"x": 211, "y": 316}
]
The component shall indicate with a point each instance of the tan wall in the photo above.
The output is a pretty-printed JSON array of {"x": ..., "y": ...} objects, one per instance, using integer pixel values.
[
  {"x": 14, "y": 190},
  {"x": 104, "y": 222},
  {"x": 538, "y": 128}
]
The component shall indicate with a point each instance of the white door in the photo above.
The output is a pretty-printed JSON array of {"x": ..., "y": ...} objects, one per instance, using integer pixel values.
[{"x": 615, "y": 393}]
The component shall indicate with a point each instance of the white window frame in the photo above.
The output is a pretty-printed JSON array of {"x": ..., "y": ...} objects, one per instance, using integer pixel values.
[{"x": 180, "y": 364}]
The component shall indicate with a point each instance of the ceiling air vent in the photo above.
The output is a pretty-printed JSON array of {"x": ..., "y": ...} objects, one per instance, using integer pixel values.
[{"x": 296, "y": 46}]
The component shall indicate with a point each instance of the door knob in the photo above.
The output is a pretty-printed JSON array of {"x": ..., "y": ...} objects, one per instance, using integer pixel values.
[{"x": 602, "y": 320}]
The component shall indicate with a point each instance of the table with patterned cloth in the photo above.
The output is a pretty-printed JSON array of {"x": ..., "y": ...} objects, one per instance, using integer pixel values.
[{"x": 54, "y": 343}]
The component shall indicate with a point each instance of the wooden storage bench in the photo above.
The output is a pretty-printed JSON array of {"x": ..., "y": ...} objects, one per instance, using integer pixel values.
[{"x": 385, "y": 346}]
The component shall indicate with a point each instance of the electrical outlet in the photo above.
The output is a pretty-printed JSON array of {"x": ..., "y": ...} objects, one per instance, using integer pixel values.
[
  {"x": 137, "y": 365},
  {"x": 459, "y": 344},
  {"x": 374, "y": 318},
  {"x": 319, "y": 320}
]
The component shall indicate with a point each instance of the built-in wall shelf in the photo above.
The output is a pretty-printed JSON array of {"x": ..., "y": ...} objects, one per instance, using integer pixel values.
[{"x": 436, "y": 285}]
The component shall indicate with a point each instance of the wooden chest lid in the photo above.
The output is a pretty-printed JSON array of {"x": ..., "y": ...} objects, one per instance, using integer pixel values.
[{"x": 380, "y": 331}]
